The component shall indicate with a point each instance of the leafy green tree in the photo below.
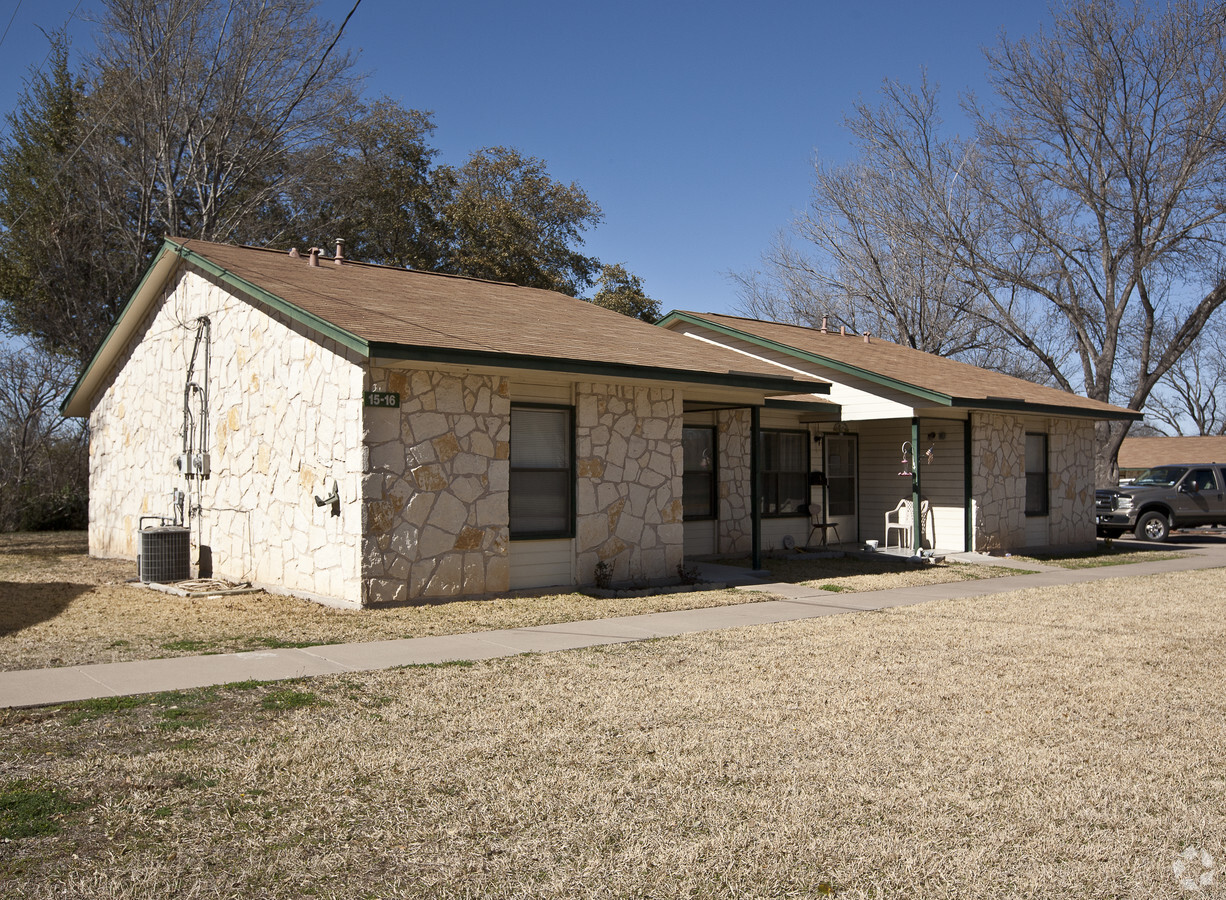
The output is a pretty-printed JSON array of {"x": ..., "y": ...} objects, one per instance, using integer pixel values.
[
  {"x": 622, "y": 292},
  {"x": 374, "y": 186},
  {"x": 508, "y": 220},
  {"x": 60, "y": 282}
]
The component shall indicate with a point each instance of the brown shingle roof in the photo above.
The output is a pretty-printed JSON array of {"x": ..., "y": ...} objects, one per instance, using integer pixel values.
[
  {"x": 1146, "y": 452},
  {"x": 391, "y": 307},
  {"x": 907, "y": 368}
]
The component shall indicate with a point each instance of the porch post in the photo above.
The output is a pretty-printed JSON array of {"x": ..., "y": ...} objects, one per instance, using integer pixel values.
[
  {"x": 755, "y": 486},
  {"x": 917, "y": 530},
  {"x": 968, "y": 484}
]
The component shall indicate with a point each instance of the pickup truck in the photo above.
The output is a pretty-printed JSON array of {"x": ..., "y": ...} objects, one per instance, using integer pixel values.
[{"x": 1162, "y": 498}]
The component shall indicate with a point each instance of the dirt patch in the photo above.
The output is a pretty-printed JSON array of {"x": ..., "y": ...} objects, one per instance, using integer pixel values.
[
  {"x": 860, "y": 574},
  {"x": 1062, "y": 742}
]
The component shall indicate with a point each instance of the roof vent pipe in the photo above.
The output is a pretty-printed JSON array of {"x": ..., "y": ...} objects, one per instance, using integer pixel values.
[
  {"x": 315, "y": 251},
  {"x": 293, "y": 253},
  {"x": 867, "y": 335},
  {"x": 339, "y": 259},
  {"x": 824, "y": 324},
  {"x": 843, "y": 331}
]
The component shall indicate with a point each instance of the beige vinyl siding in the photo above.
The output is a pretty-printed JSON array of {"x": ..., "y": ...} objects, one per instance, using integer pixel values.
[
  {"x": 880, "y": 485},
  {"x": 774, "y": 531},
  {"x": 544, "y": 564},
  {"x": 522, "y": 392},
  {"x": 700, "y": 537},
  {"x": 941, "y": 482},
  {"x": 785, "y": 419},
  {"x": 1037, "y": 531},
  {"x": 860, "y": 398}
]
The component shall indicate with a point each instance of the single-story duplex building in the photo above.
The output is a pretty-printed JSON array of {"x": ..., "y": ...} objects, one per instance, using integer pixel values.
[{"x": 363, "y": 434}]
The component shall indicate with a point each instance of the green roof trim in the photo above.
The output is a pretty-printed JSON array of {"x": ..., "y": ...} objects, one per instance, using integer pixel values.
[
  {"x": 591, "y": 368},
  {"x": 1006, "y": 405},
  {"x": 160, "y": 268},
  {"x": 846, "y": 369},
  {"x": 89, "y": 367}
]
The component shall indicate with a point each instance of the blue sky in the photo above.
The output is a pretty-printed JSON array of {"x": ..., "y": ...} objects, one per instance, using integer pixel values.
[{"x": 693, "y": 125}]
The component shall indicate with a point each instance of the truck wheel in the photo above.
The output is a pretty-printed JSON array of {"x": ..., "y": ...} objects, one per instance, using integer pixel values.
[{"x": 1153, "y": 526}]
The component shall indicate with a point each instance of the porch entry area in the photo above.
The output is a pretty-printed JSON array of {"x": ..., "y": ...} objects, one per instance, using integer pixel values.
[{"x": 888, "y": 464}]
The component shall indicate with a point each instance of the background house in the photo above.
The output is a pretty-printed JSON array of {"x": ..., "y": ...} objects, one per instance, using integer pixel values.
[
  {"x": 1140, "y": 453},
  {"x": 364, "y": 434},
  {"x": 1006, "y": 465}
]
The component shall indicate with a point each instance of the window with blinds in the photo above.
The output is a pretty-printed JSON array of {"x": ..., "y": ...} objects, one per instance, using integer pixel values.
[
  {"x": 542, "y": 472},
  {"x": 785, "y": 473},
  {"x": 1036, "y": 475},
  {"x": 698, "y": 477}
]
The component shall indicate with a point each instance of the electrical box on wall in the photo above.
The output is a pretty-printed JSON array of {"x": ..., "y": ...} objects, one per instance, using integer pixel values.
[{"x": 193, "y": 465}]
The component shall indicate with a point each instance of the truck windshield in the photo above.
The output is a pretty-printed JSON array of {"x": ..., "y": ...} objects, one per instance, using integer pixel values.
[{"x": 1163, "y": 476}]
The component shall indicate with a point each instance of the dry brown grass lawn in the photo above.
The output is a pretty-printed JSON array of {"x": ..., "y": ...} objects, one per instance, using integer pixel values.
[
  {"x": 59, "y": 607},
  {"x": 1056, "y": 743}
]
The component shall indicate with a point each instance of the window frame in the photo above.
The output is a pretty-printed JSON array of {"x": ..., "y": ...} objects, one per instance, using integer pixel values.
[
  {"x": 1045, "y": 473},
  {"x": 711, "y": 474},
  {"x": 570, "y": 469},
  {"x": 802, "y": 472}
]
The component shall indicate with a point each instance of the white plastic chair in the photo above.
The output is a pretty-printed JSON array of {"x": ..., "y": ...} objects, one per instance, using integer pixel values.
[{"x": 902, "y": 519}]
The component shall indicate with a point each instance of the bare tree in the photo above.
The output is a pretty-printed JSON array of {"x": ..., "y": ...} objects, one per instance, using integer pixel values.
[
  {"x": 43, "y": 466},
  {"x": 1098, "y": 193},
  {"x": 199, "y": 105},
  {"x": 1085, "y": 218},
  {"x": 1191, "y": 396},
  {"x": 876, "y": 258}
]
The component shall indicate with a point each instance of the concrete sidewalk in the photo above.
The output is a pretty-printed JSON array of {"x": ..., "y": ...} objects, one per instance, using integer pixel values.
[{"x": 38, "y": 687}]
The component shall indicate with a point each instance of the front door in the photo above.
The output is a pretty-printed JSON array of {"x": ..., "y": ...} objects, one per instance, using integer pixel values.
[{"x": 841, "y": 492}]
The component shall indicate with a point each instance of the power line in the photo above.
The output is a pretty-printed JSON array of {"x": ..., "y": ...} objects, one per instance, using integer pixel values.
[
  {"x": 12, "y": 18},
  {"x": 170, "y": 31}
]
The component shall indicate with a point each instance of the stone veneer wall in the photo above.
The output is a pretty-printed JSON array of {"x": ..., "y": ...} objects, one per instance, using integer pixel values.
[
  {"x": 284, "y": 425},
  {"x": 998, "y": 480},
  {"x": 1071, "y": 454},
  {"x": 735, "y": 520},
  {"x": 629, "y": 461},
  {"x": 435, "y": 518}
]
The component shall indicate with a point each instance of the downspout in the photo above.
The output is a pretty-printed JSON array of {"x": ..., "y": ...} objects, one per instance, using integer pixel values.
[
  {"x": 968, "y": 483},
  {"x": 755, "y": 485},
  {"x": 917, "y": 532}
]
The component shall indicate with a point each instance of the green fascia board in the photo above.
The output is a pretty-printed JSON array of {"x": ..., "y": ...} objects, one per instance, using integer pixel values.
[
  {"x": 434, "y": 354},
  {"x": 872, "y": 377},
  {"x": 1021, "y": 406},
  {"x": 594, "y": 368},
  {"x": 89, "y": 367},
  {"x": 297, "y": 313},
  {"x": 169, "y": 246}
]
